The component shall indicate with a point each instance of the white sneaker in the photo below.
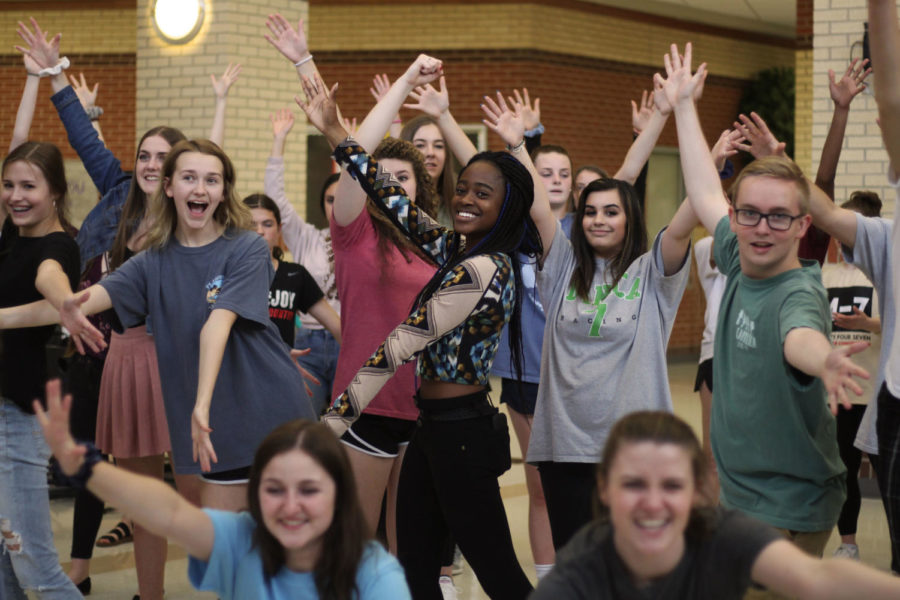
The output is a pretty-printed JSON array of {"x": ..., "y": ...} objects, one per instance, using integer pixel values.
[
  {"x": 850, "y": 551},
  {"x": 448, "y": 590}
]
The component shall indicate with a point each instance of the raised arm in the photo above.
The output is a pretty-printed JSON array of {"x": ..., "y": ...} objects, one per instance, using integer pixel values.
[
  {"x": 380, "y": 85},
  {"x": 508, "y": 124},
  {"x": 701, "y": 179},
  {"x": 291, "y": 43},
  {"x": 25, "y": 114},
  {"x": 642, "y": 147},
  {"x": 676, "y": 239},
  {"x": 213, "y": 338},
  {"x": 436, "y": 104},
  {"x": 809, "y": 351},
  {"x": 88, "y": 98},
  {"x": 842, "y": 93},
  {"x": 837, "y": 222},
  {"x": 221, "y": 87},
  {"x": 148, "y": 501},
  {"x": 292, "y": 224},
  {"x": 884, "y": 42}
]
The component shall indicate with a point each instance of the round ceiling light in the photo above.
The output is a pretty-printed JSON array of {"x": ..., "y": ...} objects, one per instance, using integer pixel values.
[{"x": 178, "y": 21}]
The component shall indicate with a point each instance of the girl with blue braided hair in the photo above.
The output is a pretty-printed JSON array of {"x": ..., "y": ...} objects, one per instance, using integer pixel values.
[{"x": 448, "y": 481}]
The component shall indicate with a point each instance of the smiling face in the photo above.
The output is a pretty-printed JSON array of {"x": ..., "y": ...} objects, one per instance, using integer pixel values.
[
  {"x": 476, "y": 204},
  {"x": 403, "y": 172},
  {"x": 429, "y": 140},
  {"x": 650, "y": 491},
  {"x": 297, "y": 497},
  {"x": 28, "y": 199},
  {"x": 150, "y": 159},
  {"x": 197, "y": 187},
  {"x": 765, "y": 252},
  {"x": 266, "y": 225},
  {"x": 604, "y": 222},
  {"x": 555, "y": 170}
]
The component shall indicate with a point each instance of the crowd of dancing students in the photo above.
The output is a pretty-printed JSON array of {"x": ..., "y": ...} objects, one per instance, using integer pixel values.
[{"x": 182, "y": 310}]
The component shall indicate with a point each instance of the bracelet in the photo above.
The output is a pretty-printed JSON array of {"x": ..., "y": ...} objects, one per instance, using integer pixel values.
[
  {"x": 516, "y": 147},
  {"x": 93, "y": 112},
  {"x": 30, "y": 74},
  {"x": 61, "y": 66},
  {"x": 536, "y": 131},
  {"x": 80, "y": 479},
  {"x": 303, "y": 61}
]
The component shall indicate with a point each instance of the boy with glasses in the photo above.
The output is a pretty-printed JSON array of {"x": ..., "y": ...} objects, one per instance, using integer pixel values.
[{"x": 772, "y": 434}]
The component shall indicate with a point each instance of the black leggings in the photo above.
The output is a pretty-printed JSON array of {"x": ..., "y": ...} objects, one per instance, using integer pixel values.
[
  {"x": 570, "y": 490},
  {"x": 847, "y": 424},
  {"x": 448, "y": 485},
  {"x": 83, "y": 382}
]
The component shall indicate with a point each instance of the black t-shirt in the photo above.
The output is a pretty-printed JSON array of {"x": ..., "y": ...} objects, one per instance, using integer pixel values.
[
  {"x": 23, "y": 368},
  {"x": 718, "y": 566},
  {"x": 292, "y": 289}
]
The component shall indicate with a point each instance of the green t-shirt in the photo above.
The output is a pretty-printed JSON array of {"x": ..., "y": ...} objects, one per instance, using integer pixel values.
[{"x": 772, "y": 434}]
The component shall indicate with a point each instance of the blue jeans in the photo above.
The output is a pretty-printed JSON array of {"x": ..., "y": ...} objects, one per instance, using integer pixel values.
[
  {"x": 28, "y": 558},
  {"x": 321, "y": 362}
]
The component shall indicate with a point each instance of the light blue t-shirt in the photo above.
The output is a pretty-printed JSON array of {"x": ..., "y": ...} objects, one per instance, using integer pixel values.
[{"x": 234, "y": 569}]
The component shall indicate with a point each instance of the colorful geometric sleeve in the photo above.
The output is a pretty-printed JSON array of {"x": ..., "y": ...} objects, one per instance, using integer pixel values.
[
  {"x": 460, "y": 297},
  {"x": 434, "y": 240}
]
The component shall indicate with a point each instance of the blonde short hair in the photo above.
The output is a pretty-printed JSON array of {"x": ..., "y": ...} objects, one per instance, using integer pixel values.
[{"x": 775, "y": 167}]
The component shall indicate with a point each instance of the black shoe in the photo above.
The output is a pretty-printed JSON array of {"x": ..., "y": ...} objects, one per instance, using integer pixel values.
[{"x": 84, "y": 586}]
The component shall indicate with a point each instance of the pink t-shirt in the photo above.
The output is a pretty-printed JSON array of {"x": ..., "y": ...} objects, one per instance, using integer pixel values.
[{"x": 375, "y": 298}]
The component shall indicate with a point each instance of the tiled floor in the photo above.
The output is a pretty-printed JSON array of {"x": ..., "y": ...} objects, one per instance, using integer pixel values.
[{"x": 113, "y": 573}]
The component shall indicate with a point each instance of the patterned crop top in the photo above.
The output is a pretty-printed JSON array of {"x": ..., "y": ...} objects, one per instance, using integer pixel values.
[{"x": 457, "y": 330}]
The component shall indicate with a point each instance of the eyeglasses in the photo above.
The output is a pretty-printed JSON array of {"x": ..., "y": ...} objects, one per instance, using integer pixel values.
[{"x": 776, "y": 221}]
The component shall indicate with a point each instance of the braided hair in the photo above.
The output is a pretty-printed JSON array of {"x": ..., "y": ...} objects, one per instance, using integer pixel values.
[{"x": 514, "y": 234}]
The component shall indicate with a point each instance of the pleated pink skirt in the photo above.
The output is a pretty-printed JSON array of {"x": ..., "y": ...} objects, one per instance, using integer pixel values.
[{"x": 131, "y": 418}]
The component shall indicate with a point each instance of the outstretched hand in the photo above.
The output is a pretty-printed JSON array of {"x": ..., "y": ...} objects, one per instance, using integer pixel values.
[
  {"x": 321, "y": 108},
  {"x": 55, "y": 423},
  {"x": 760, "y": 141},
  {"x": 40, "y": 52},
  {"x": 504, "y": 121},
  {"x": 531, "y": 113},
  {"x": 838, "y": 375},
  {"x": 287, "y": 40},
  {"x": 641, "y": 113},
  {"x": 850, "y": 84},
  {"x": 86, "y": 95},
  {"x": 76, "y": 323},
  {"x": 303, "y": 372},
  {"x": 424, "y": 69},
  {"x": 203, "y": 450},
  {"x": 430, "y": 101},
  {"x": 679, "y": 85},
  {"x": 282, "y": 122},
  {"x": 224, "y": 83},
  {"x": 380, "y": 86},
  {"x": 726, "y": 146}
]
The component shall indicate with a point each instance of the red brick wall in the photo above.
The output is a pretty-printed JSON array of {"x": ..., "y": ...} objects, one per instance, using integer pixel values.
[
  {"x": 116, "y": 75},
  {"x": 585, "y": 108}
]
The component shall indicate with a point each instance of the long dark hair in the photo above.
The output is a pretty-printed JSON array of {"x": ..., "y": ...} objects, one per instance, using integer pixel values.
[
  {"x": 446, "y": 182},
  {"x": 136, "y": 201},
  {"x": 514, "y": 233},
  {"x": 344, "y": 541},
  {"x": 48, "y": 159},
  {"x": 634, "y": 244},
  {"x": 660, "y": 427},
  {"x": 264, "y": 202}
]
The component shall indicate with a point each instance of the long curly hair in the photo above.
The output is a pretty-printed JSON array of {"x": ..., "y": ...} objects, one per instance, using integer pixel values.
[{"x": 389, "y": 236}]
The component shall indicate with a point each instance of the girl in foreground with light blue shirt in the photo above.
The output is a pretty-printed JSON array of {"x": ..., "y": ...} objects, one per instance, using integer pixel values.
[{"x": 303, "y": 536}]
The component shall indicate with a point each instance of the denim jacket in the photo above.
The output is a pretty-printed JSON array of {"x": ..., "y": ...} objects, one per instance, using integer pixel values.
[{"x": 99, "y": 228}]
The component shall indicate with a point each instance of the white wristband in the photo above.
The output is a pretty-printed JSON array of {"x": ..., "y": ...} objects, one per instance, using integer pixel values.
[
  {"x": 303, "y": 61},
  {"x": 61, "y": 66}
]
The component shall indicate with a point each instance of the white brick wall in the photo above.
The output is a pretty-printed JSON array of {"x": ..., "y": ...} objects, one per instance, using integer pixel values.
[
  {"x": 837, "y": 25},
  {"x": 173, "y": 87}
]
